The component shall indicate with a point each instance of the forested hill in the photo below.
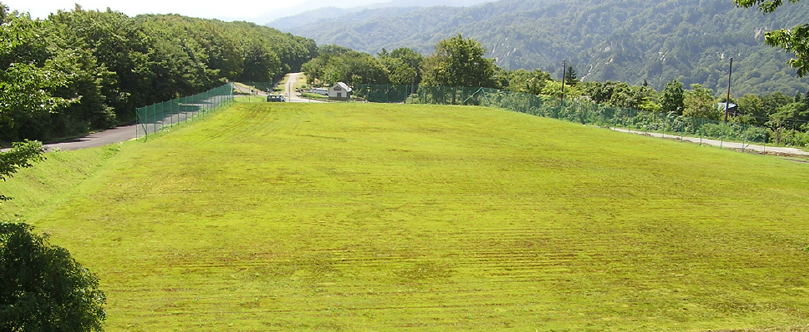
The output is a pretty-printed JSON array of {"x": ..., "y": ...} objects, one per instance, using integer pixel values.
[
  {"x": 620, "y": 40},
  {"x": 101, "y": 65}
]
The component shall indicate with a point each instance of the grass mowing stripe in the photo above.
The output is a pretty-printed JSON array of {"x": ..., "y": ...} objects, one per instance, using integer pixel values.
[{"x": 391, "y": 217}]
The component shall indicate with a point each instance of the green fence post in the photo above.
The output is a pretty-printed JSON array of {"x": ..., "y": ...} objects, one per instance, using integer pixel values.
[
  {"x": 765, "y": 143},
  {"x": 744, "y": 137},
  {"x": 154, "y": 116}
]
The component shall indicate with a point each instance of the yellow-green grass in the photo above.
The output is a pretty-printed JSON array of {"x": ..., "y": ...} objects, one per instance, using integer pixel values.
[
  {"x": 35, "y": 190},
  {"x": 367, "y": 217},
  {"x": 250, "y": 99}
]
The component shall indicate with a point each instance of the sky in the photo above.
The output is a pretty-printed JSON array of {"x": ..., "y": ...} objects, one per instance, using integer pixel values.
[{"x": 227, "y": 10}]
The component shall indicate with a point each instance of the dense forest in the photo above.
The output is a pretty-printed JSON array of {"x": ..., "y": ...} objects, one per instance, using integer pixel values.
[
  {"x": 632, "y": 41},
  {"x": 94, "y": 68}
]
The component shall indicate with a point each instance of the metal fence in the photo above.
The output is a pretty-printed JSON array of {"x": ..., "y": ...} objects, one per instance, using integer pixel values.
[
  {"x": 579, "y": 111},
  {"x": 153, "y": 118}
]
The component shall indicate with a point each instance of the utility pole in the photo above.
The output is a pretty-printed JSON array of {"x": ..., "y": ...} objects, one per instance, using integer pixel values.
[
  {"x": 727, "y": 100},
  {"x": 564, "y": 73}
]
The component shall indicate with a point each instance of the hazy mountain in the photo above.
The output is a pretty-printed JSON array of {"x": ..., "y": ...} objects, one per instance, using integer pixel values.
[
  {"x": 394, "y": 7},
  {"x": 626, "y": 40}
]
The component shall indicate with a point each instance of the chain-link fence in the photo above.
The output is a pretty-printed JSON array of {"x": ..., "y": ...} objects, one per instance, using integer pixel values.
[
  {"x": 579, "y": 111},
  {"x": 153, "y": 118}
]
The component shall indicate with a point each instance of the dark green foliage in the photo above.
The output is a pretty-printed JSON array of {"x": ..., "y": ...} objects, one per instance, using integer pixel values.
[
  {"x": 260, "y": 64},
  {"x": 700, "y": 103},
  {"x": 83, "y": 70},
  {"x": 571, "y": 77},
  {"x": 43, "y": 288},
  {"x": 521, "y": 80},
  {"x": 672, "y": 99},
  {"x": 349, "y": 67},
  {"x": 459, "y": 61},
  {"x": 405, "y": 66},
  {"x": 31, "y": 71}
]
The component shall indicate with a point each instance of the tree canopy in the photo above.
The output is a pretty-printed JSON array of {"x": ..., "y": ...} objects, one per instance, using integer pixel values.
[
  {"x": 44, "y": 288},
  {"x": 83, "y": 70},
  {"x": 459, "y": 61}
]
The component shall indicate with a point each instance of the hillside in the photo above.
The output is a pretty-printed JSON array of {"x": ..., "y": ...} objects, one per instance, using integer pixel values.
[
  {"x": 624, "y": 40},
  {"x": 369, "y": 217},
  {"x": 393, "y": 7}
]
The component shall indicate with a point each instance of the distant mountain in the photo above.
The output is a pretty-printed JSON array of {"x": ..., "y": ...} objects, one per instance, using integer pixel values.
[
  {"x": 309, "y": 18},
  {"x": 394, "y": 7},
  {"x": 626, "y": 40}
]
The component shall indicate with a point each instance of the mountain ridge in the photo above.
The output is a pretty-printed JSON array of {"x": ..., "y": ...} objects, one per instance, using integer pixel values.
[{"x": 625, "y": 40}]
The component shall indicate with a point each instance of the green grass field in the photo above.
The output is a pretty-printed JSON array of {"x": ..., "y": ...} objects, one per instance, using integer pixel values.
[{"x": 367, "y": 217}]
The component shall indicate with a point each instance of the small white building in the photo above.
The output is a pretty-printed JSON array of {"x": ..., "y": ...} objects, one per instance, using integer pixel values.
[{"x": 340, "y": 91}]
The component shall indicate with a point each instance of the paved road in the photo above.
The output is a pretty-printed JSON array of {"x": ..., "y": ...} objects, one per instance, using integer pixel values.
[
  {"x": 109, "y": 136},
  {"x": 293, "y": 96},
  {"x": 729, "y": 145}
]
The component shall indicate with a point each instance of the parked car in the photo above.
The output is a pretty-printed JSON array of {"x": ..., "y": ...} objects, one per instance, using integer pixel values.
[
  {"x": 320, "y": 91},
  {"x": 276, "y": 98}
]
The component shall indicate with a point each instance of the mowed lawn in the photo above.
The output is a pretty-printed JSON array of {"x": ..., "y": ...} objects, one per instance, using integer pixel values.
[{"x": 366, "y": 217}]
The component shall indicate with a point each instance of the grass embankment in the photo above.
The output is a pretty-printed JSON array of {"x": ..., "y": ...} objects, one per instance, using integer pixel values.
[
  {"x": 35, "y": 190},
  {"x": 373, "y": 217}
]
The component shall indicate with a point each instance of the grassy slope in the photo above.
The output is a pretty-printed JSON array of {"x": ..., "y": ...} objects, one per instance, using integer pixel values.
[
  {"x": 385, "y": 217},
  {"x": 34, "y": 190}
]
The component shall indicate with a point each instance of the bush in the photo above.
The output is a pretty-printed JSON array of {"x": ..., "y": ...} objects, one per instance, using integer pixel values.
[{"x": 43, "y": 288}]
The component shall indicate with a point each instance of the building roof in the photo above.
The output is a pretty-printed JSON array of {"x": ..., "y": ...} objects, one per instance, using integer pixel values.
[
  {"x": 730, "y": 106},
  {"x": 343, "y": 86}
]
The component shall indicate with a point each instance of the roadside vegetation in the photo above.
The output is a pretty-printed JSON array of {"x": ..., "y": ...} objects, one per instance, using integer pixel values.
[{"x": 388, "y": 217}]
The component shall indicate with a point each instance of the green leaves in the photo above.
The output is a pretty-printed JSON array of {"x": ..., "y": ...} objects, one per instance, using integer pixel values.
[
  {"x": 700, "y": 103},
  {"x": 44, "y": 288},
  {"x": 460, "y": 62},
  {"x": 26, "y": 78},
  {"x": 795, "y": 41},
  {"x": 766, "y": 6},
  {"x": 672, "y": 99}
]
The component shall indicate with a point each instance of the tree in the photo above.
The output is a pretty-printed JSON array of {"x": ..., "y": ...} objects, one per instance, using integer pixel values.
[
  {"x": 751, "y": 106},
  {"x": 412, "y": 60},
  {"x": 570, "y": 76},
  {"x": 672, "y": 99},
  {"x": 44, "y": 289},
  {"x": 459, "y": 62},
  {"x": 795, "y": 40},
  {"x": 260, "y": 64},
  {"x": 28, "y": 73},
  {"x": 700, "y": 103},
  {"x": 399, "y": 72}
]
